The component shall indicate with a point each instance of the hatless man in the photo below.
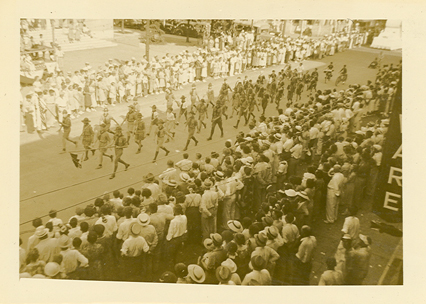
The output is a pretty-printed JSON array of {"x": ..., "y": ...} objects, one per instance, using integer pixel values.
[{"x": 174, "y": 237}]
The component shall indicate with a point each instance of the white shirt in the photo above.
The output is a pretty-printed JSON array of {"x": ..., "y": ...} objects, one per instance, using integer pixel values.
[
  {"x": 351, "y": 226},
  {"x": 110, "y": 223},
  {"x": 134, "y": 246},
  {"x": 177, "y": 227}
]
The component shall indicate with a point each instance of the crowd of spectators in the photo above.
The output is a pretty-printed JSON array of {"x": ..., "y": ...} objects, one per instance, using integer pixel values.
[{"x": 252, "y": 206}]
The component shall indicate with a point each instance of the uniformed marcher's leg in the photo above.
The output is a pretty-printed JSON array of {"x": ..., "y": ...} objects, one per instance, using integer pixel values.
[
  {"x": 212, "y": 130},
  {"x": 220, "y": 127}
]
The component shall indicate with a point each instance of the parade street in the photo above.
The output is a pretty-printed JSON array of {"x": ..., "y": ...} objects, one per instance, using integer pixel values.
[{"x": 49, "y": 179}]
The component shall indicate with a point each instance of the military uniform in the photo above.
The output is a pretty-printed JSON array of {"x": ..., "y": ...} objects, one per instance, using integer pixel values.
[
  {"x": 139, "y": 132},
  {"x": 66, "y": 125},
  {"x": 120, "y": 143},
  {"x": 87, "y": 137},
  {"x": 216, "y": 120},
  {"x": 192, "y": 126},
  {"x": 104, "y": 139},
  {"x": 130, "y": 118}
]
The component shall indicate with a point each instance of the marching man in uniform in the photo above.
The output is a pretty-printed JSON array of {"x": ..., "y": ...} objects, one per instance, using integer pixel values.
[
  {"x": 130, "y": 118},
  {"x": 66, "y": 125},
  {"x": 192, "y": 124},
  {"x": 104, "y": 140},
  {"x": 87, "y": 137},
  {"x": 120, "y": 143},
  {"x": 139, "y": 132}
]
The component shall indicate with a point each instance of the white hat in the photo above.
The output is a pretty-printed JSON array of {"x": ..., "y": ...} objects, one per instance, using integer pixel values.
[
  {"x": 230, "y": 264},
  {"x": 196, "y": 273},
  {"x": 235, "y": 226},
  {"x": 290, "y": 193},
  {"x": 144, "y": 219}
]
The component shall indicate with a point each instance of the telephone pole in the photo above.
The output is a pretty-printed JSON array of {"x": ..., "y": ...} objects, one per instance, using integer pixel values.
[{"x": 147, "y": 38}]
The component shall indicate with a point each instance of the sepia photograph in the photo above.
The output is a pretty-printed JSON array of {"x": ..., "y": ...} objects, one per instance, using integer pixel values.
[{"x": 261, "y": 152}]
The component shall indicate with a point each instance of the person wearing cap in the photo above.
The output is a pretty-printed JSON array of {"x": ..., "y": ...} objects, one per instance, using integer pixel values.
[
  {"x": 66, "y": 126},
  {"x": 139, "y": 131},
  {"x": 104, "y": 140},
  {"x": 120, "y": 143},
  {"x": 304, "y": 257},
  {"x": 334, "y": 190},
  {"x": 358, "y": 261},
  {"x": 87, "y": 136}
]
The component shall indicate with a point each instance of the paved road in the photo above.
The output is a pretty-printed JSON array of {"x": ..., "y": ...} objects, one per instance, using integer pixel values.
[{"x": 49, "y": 180}]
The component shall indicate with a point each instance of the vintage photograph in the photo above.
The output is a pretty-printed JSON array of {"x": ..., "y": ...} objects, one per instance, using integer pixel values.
[{"x": 211, "y": 151}]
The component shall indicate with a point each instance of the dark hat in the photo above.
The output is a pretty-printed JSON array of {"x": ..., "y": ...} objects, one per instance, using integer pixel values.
[
  {"x": 149, "y": 178},
  {"x": 261, "y": 239},
  {"x": 268, "y": 220},
  {"x": 181, "y": 269},
  {"x": 223, "y": 274},
  {"x": 85, "y": 120},
  {"x": 208, "y": 183},
  {"x": 216, "y": 238},
  {"x": 168, "y": 277},
  {"x": 258, "y": 262}
]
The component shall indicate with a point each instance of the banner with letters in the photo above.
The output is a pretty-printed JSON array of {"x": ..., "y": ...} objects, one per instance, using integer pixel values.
[{"x": 388, "y": 194}]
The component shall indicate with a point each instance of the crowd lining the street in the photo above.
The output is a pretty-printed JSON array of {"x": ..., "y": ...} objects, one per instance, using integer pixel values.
[
  {"x": 252, "y": 206},
  {"x": 126, "y": 81}
]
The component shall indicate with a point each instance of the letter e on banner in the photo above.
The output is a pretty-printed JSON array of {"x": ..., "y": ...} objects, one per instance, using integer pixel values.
[{"x": 390, "y": 199}]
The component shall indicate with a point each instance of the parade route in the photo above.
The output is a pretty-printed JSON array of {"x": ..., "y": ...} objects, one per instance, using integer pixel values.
[{"x": 49, "y": 180}]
